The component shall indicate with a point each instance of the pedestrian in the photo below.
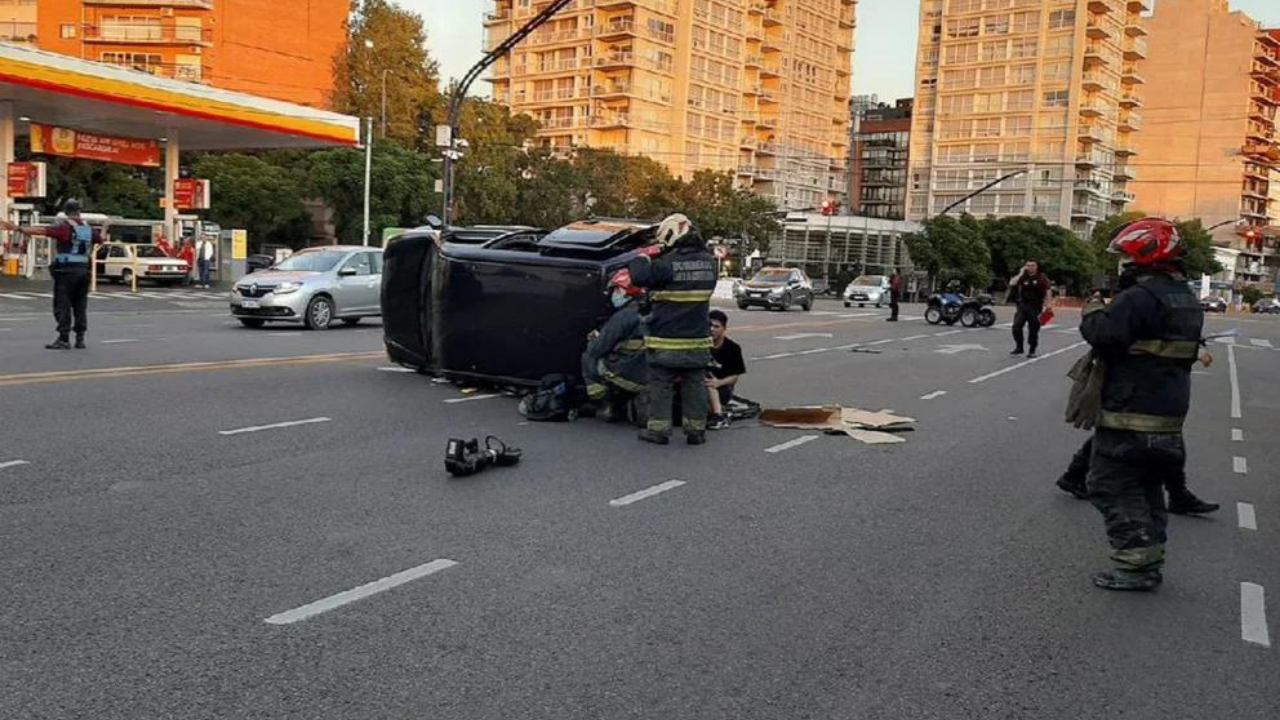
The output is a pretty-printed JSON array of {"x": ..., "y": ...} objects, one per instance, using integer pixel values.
[
  {"x": 1031, "y": 292},
  {"x": 204, "y": 259},
  {"x": 895, "y": 295},
  {"x": 188, "y": 255},
  {"x": 727, "y": 367},
  {"x": 1148, "y": 338},
  {"x": 680, "y": 276},
  {"x": 613, "y": 365},
  {"x": 74, "y": 240}
]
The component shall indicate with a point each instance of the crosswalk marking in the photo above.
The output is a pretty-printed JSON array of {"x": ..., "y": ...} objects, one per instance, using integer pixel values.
[{"x": 1261, "y": 342}]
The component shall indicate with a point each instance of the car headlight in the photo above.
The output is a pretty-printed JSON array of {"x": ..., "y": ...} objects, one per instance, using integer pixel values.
[
  {"x": 288, "y": 287},
  {"x": 777, "y": 291}
]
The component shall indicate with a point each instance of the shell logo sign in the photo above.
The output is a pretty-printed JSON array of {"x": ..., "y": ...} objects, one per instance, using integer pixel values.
[{"x": 50, "y": 140}]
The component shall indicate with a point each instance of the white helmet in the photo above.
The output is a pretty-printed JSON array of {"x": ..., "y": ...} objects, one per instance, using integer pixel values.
[{"x": 673, "y": 228}]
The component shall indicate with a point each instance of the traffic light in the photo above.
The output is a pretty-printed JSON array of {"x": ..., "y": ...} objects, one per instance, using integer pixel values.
[
  {"x": 1253, "y": 238},
  {"x": 829, "y": 207}
]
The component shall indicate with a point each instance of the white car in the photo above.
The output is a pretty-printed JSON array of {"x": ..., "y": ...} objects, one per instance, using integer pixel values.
[
  {"x": 117, "y": 261},
  {"x": 864, "y": 289}
]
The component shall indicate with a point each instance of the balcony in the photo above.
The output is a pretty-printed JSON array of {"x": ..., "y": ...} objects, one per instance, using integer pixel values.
[
  {"x": 772, "y": 17},
  {"x": 1095, "y": 55},
  {"x": 746, "y": 170},
  {"x": 611, "y": 121},
  {"x": 772, "y": 42},
  {"x": 1264, "y": 153},
  {"x": 767, "y": 148},
  {"x": 1122, "y": 196},
  {"x": 1089, "y": 210},
  {"x": 1090, "y": 160},
  {"x": 612, "y": 4},
  {"x": 1130, "y": 75},
  {"x": 1093, "y": 81},
  {"x": 1100, "y": 7},
  {"x": 616, "y": 29},
  {"x": 554, "y": 96},
  {"x": 177, "y": 71},
  {"x": 769, "y": 70},
  {"x": 1125, "y": 173},
  {"x": 561, "y": 123},
  {"x": 1099, "y": 30},
  {"x": 1091, "y": 107},
  {"x": 17, "y": 31},
  {"x": 1091, "y": 133},
  {"x": 611, "y": 91},
  {"x": 1136, "y": 50},
  {"x": 754, "y": 61},
  {"x": 767, "y": 122},
  {"x": 846, "y": 22},
  {"x": 756, "y": 8},
  {"x": 748, "y": 142},
  {"x": 1130, "y": 100},
  {"x": 1126, "y": 148},
  {"x": 752, "y": 90},
  {"x": 615, "y": 60},
  {"x": 1130, "y": 122},
  {"x": 501, "y": 16},
  {"x": 1257, "y": 134},
  {"x": 1139, "y": 6},
  {"x": 148, "y": 34},
  {"x": 1134, "y": 28},
  {"x": 1264, "y": 97}
]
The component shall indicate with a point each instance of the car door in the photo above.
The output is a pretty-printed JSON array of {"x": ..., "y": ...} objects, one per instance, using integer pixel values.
[
  {"x": 355, "y": 295},
  {"x": 117, "y": 260}
]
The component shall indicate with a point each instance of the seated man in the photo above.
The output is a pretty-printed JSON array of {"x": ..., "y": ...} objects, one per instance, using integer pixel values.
[
  {"x": 614, "y": 366},
  {"x": 723, "y": 376}
]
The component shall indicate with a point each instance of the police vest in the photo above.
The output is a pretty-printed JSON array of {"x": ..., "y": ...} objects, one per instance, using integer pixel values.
[
  {"x": 78, "y": 252},
  {"x": 1149, "y": 388}
]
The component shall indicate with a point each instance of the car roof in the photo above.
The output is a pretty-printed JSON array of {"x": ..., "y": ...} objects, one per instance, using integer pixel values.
[
  {"x": 597, "y": 232},
  {"x": 342, "y": 248}
]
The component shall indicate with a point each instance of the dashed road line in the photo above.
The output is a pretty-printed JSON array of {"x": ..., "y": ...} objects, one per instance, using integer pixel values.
[
  {"x": 396, "y": 369},
  {"x": 1024, "y": 363},
  {"x": 120, "y": 341},
  {"x": 646, "y": 493},
  {"x": 12, "y": 464},
  {"x": 914, "y": 337},
  {"x": 1253, "y": 615},
  {"x": 934, "y": 394},
  {"x": 1235, "y": 380},
  {"x": 275, "y": 426},
  {"x": 1246, "y": 517},
  {"x": 791, "y": 444},
  {"x": 949, "y": 332},
  {"x": 345, "y": 598},
  {"x": 472, "y": 398},
  {"x": 1240, "y": 465},
  {"x": 1261, "y": 342},
  {"x": 1237, "y": 435}
]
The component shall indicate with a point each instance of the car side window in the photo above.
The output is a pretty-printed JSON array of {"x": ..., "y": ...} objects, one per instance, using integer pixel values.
[
  {"x": 360, "y": 263},
  {"x": 103, "y": 251},
  {"x": 117, "y": 252},
  {"x": 375, "y": 262}
]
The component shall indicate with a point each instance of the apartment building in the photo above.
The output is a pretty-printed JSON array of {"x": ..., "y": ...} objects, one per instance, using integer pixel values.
[
  {"x": 1210, "y": 149},
  {"x": 17, "y": 21},
  {"x": 234, "y": 44},
  {"x": 754, "y": 87},
  {"x": 1048, "y": 91},
  {"x": 878, "y": 162}
]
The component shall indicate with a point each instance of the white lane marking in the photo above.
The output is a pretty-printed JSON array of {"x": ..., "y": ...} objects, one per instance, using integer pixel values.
[
  {"x": 776, "y": 356},
  {"x": 1024, "y": 363},
  {"x": 472, "y": 398},
  {"x": 1240, "y": 465},
  {"x": 802, "y": 336},
  {"x": 857, "y": 315},
  {"x": 396, "y": 369},
  {"x": 814, "y": 351},
  {"x": 824, "y": 312},
  {"x": 955, "y": 349},
  {"x": 934, "y": 394},
  {"x": 791, "y": 444},
  {"x": 360, "y": 593},
  {"x": 1237, "y": 435},
  {"x": 914, "y": 337},
  {"x": 284, "y": 334},
  {"x": 646, "y": 493},
  {"x": 12, "y": 463},
  {"x": 1235, "y": 381},
  {"x": 1003, "y": 326},
  {"x": 14, "y": 296},
  {"x": 1261, "y": 342},
  {"x": 886, "y": 341},
  {"x": 274, "y": 426},
  {"x": 1225, "y": 340},
  {"x": 1247, "y": 519},
  {"x": 1253, "y": 614},
  {"x": 120, "y": 341},
  {"x": 949, "y": 332}
]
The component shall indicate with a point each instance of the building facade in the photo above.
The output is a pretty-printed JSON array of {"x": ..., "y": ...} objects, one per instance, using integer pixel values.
[
  {"x": 826, "y": 246},
  {"x": 1210, "y": 150},
  {"x": 17, "y": 21},
  {"x": 754, "y": 87},
  {"x": 232, "y": 44},
  {"x": 878, "y": 160},
  {"x": 1048, "y": 91}
]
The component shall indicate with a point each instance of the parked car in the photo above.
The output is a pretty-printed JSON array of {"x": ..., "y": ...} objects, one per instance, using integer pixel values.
[
  {"x": 865, "y": 289},
  {"x": 1267, "y": 305},
  {"x": 313, "y": 287},
  {"x": 1213, "y": 303},
  {"x": 118, "y": 261},
  {"x": 510, "y": 311},
  {"x": 775, "y": 288}
]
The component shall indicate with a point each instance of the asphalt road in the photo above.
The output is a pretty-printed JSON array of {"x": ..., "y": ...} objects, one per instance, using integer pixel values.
[{"x": 163, "y": 547}]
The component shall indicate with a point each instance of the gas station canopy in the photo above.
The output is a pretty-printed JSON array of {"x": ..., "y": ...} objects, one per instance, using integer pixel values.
[{"x": 70, "y": 92}]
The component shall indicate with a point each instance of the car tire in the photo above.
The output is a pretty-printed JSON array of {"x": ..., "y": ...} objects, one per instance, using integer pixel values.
[
  {"x": 987, "y": 318},
  {"x": 319, "y": 313},
  {"x": 933, "y": 316},
  {"x": 254, "y": 323},
  {"x": 351, "y": 322},
  {"x": 125, "y": 276},
  {"x": 807, "y": 305},
  {"x": 743, "y": 306},
  {"x": 848, "y": 304},
  {"x": 862, "y": 305},
  {"x": 969, "y": 318}
]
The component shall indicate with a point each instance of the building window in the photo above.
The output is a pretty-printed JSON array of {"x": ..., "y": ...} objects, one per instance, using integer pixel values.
[
  {"x": 1023, "y": 75},
  {"x": 67, "y": 31},
  {"x": 1018, "y": 125},
  {"x": 1026, "y": 22},
  {"x": 1025, "y": 47},
  {"x": 991, "y": 76},
  {"x": 1057, "y": 98},
  {"x": 1059, "y": 19},
  {"x": 961, "y": 54},
  {"x": 995, "y": 50},
  {"x": 963, "y": 28}
]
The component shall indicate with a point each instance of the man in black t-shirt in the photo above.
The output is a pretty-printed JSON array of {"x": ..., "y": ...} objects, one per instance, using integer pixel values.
[
  {"x": 1031, "y": 290},
  {"x": 728, "y": 367}
]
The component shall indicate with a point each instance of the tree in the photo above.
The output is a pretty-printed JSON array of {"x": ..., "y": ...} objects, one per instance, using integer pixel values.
[
  {"x": 107, "y": 188},
  {"x": 951, "y": 249},
  {"x": 401, "y": 187},
  {"x": 251, "y": 193},
  {"x": 718, "y": 209},
  {"x": 1196, "y": 241},
  {"x": 399, "y": 53},
  {"x": 1065, "y": 258}
]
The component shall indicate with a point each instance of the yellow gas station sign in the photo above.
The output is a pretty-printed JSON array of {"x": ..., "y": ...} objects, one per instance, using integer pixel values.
[{"x": 239, "y": 244}]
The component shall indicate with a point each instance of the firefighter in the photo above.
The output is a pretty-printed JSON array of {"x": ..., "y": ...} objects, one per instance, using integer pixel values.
[
  {"x": 680, "y": 276},
  {"x": 1148, "y": 339},
  {"x": 614, "y": 365}
]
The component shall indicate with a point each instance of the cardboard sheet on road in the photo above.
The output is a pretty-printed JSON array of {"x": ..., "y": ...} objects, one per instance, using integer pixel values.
[{"x": 873, "y": 428}]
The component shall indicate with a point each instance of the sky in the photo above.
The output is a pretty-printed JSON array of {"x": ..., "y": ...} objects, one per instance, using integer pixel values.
[{"x": 884, "y": 60}]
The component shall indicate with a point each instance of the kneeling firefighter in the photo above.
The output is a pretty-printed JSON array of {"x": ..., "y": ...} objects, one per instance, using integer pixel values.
[
  {"x": 680, "y": 275},
  {"x": 1148, "y": 340},
  {"x": 614, "y": 365}
]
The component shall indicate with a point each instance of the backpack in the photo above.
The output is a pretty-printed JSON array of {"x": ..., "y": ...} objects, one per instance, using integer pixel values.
[{"x": 556, "y": 400}]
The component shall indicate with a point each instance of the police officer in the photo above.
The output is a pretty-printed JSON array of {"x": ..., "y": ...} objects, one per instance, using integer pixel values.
[
  {"x": 681, "y": 277},
  {"x": 74, "y": 239},
  {"x": 1031, "y": 290},
  {"x": 614, "y": 365},
  {"x": 1148, "y": 339}
]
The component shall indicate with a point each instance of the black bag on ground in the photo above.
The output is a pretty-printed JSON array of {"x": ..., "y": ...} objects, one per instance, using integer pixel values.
[{"x": 557, "y": 399}]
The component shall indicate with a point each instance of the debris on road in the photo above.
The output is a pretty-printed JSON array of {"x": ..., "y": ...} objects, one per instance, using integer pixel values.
[{"x": 872, "y": 428}]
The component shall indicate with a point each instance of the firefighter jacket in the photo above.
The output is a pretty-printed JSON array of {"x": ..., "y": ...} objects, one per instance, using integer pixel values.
[
  {"x": 1148, "y": 339},
  {"x": 680, "y": 283},
  {"x": 616, "y": 356}
]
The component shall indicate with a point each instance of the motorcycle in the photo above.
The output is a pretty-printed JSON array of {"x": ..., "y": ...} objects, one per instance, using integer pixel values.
[{"x": 950, "y": 307}]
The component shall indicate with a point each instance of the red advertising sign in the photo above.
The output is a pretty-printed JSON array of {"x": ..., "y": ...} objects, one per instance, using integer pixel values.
[
  {"x": 51, "y": 140},
  {"x": 191, "y": 194},
  {"x": 26, "y": 180}
]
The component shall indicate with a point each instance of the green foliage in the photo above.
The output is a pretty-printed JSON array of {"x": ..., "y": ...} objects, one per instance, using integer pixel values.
[
  {"x": 951, "y": 249},
  {"x": 401, "y": 193},
  {"x": 1252, "y": 294},
  {"x": 1065, "y": 258},
  {"x": 107, "y": 188},
  {"x": 250, "y": 193}
]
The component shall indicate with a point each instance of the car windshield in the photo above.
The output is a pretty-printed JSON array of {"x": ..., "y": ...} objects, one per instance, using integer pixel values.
[
  {"x": 150, "y": 251},
  {"x": 875, "y": 280},
  {"x": 312, "y": 261},
  {"x": 772, "y": 277}
]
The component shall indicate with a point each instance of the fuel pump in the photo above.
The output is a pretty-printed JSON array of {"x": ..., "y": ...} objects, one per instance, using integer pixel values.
[{"x": 23, "y": 254}]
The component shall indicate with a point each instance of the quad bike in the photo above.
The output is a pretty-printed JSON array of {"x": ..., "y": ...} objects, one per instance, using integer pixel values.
[{"x": 950, "y": 307}]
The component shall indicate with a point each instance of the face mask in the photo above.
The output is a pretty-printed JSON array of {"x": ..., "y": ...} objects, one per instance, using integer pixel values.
[{"x": 619, "y": 299}]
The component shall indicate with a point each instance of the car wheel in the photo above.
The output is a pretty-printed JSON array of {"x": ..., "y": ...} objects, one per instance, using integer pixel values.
[
  {"x": 807, "y": 304},
  {"x": 743, "y": 306},
  {"x": 933, "y": 316},
  {"x": 848, "y": 304},
  {"x": 126, "y": 277},
  {"x": 319, "y": 313},
  {"x": 252, "y": 322},
  {"x": 969, "y": 318},
  {"x": 351, "y": 322},
  {"x": 987, "y": 318}
]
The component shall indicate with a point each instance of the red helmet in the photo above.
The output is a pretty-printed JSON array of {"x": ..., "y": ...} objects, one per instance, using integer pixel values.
[
  {"x": 1147, "y": 241},
  {"x": 622, "y": 281}
]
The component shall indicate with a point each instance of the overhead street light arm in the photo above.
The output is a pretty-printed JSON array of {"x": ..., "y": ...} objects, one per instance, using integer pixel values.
[{"x": 979, "y": 191}]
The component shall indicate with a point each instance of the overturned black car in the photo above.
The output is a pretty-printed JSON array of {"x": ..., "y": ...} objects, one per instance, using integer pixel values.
[{"x": 509, "y": 311}]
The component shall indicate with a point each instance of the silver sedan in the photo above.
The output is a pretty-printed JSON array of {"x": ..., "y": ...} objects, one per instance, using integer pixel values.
[{"x": 313, "y": 287}]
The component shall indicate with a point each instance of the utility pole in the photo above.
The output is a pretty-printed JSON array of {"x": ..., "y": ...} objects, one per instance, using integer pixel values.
[
  {"x": 447, "y": 137},
  {"x": 368, "y": 172},
  {"x": 384, "y": 102}
]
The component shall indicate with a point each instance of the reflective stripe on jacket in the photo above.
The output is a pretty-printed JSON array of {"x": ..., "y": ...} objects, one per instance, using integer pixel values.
[{"x": 681, "y": 282}]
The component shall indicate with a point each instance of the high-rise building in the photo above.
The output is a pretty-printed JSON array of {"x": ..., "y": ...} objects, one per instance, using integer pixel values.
[
  {"x": 1210, "y": 148},
  {"x": 233, "y": 44},
  {"x": 17, "y": 21},
  {"x": 1048, "y": 89},
  {"x": 755, "y": 87},
  {"x": 878, "y": 163}
]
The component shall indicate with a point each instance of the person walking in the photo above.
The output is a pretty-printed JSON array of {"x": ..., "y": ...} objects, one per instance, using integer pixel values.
[
  {"x": 204, "y": 259},
  {"x": 1032, "y": 292},
  {"x": 1148, "y": 339},
  {"x": 680, "y": 276},
  {"x": 74, "y": 240},
  {"x": 895, "y": 295}
]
